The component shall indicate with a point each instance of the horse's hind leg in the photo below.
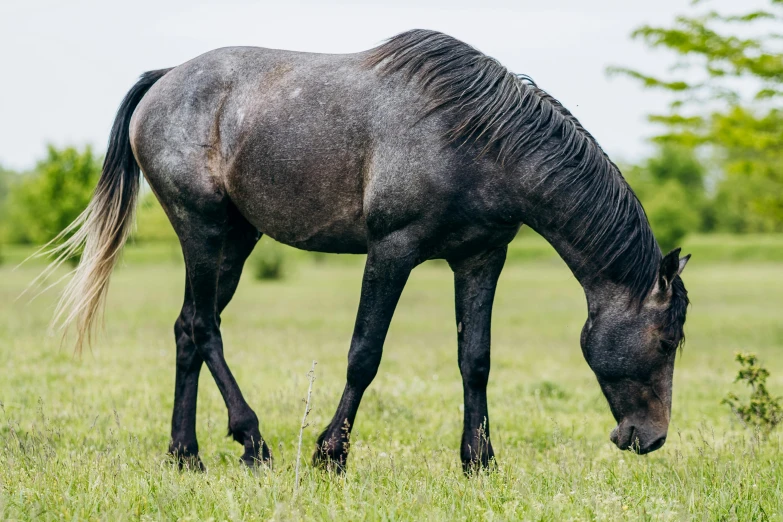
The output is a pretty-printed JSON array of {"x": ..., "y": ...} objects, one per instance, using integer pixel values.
[
  {"x": 240, "y": 240},
  {"x": 184, "y": 445},
  {"x": 215, "y": 243}
]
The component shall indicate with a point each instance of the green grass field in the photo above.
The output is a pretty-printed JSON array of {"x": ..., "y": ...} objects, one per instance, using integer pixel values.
[{"x": 85, "y": 438}]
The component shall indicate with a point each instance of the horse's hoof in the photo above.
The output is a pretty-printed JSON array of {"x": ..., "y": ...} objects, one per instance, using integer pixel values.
[
  {"x": 328, "y": 462},
  {"x": 255, "y": 464},
  {"x": 474, "y": 467},
  {"x": 254, "y": 461},
  {"x": 188, "y": 462}
]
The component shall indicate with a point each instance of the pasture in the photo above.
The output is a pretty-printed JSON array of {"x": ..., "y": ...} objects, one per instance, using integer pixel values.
[{"x": 85, "y": 438}]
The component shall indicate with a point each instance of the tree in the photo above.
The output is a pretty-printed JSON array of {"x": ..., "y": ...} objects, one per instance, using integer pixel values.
[
  {"x": 726, "y": 87},
  {"x": 671, "y": 187},
  {"x": 7, "y": 178},
  {"x": 5, "y": 181},
  {"x": 46, "y": 200}
]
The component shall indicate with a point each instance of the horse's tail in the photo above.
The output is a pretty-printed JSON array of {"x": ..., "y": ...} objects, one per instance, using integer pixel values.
[{"x": 101, "y": 230}]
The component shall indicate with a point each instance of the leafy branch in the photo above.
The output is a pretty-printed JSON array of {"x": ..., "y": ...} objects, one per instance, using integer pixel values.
[{"x": 762, "y": 410}]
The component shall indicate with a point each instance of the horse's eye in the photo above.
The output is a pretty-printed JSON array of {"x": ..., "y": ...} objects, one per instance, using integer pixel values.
[{"x": 667, "y": 346}]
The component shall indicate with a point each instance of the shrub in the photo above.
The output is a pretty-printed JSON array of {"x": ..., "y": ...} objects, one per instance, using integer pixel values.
[
  {"x": 45, "y": 201},
  {"x": 268, "y": 261},
  {"x": 762, "y": 411},
  {"x": 735, "y": 206}
]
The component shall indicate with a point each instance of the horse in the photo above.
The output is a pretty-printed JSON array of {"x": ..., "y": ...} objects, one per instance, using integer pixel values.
[{"x": 421, "y": 148}]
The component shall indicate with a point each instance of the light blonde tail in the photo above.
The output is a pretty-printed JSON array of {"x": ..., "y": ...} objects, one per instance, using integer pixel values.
[{"x": 100, "y": 232}]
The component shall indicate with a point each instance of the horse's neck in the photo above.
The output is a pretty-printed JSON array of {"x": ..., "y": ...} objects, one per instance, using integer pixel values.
[
  {"x": 566, "y": 233},
  {"x": 583, "y": 267}
]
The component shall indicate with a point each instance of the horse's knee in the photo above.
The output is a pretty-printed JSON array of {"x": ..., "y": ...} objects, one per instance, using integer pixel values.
[
  {"x": 363, "y": 367},
  {"x": 475, "y": 370}
]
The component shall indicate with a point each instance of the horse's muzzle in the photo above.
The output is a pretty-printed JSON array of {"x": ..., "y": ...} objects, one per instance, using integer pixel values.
[{"x": 639, "y": 439}]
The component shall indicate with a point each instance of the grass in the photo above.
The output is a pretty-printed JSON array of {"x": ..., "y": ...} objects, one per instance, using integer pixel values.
[{"x": 85, "y": 438}]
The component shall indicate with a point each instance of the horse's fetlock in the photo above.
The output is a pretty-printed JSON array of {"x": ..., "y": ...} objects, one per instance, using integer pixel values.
[
  {"x": 183, "y": 449},
  {"x": 477, "y": 455},
  {"x": 331, "y": 452},
  {"x": 244, "y": 426}
]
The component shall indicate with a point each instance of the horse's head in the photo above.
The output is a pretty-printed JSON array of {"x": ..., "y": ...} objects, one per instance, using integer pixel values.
[{"x": 631, "y": 348}]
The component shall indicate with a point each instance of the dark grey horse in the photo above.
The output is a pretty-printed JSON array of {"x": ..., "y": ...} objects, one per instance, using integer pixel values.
[{"x": 419, "y": 149}]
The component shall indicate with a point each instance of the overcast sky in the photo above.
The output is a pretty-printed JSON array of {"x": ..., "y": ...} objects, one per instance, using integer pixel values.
[{"x": 67, "y": 64}]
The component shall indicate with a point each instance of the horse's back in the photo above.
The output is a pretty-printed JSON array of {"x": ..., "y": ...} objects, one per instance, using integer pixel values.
[{"x": 285, "y": 135}]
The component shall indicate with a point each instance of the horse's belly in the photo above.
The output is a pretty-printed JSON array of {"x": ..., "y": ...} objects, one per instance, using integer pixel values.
[
  {"x": 304, "y": 202},
  {"x": 309, "y": 224}
]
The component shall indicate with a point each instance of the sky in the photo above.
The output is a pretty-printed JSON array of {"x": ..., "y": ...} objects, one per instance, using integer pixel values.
[{"x": 66, "y": 65}]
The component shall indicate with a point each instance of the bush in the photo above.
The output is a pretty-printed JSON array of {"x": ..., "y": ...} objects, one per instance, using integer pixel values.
[
  {"x": 268, "y": 260},
  {"x": 762, "y": 411},
  {"x": 7, "y": 179},
  {"x": 152, "y": 224},
  {"x": 735, "y": 205},
  {"x": 43, "y": 202}
]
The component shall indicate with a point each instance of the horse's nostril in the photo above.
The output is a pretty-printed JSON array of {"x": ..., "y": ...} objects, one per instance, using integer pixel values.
[{"x": 656, "y": 444}]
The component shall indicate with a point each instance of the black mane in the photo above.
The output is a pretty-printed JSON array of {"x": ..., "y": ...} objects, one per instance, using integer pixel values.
[
  {"x": 510, "y": 118},
  {"x": 675, "y": 315}
]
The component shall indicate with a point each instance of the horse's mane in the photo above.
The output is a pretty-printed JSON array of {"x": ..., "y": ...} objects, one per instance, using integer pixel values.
[
  {"x": 675, "y": 314},
  {"x": 496, "y": 111}
]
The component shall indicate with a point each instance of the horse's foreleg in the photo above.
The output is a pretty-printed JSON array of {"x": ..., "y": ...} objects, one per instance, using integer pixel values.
[
  {"x": 385, "y": 274},
  {"x": 475, "y": 280}
]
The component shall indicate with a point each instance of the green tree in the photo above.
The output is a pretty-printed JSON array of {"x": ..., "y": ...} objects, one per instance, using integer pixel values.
[
  {"x": 46, "y": 200},
  {"x": 671, "y": 215},
  {"x": 726, "y": 90},
  {"x": 7, "y": 178},
  {"x": 680, "y": 165},
  {"x": 670, "y": 185}
]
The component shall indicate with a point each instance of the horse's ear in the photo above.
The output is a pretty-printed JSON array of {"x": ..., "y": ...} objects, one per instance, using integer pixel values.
[
  {"x": 671, "y": 265},
  {"x": 683, "y": 262}
]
